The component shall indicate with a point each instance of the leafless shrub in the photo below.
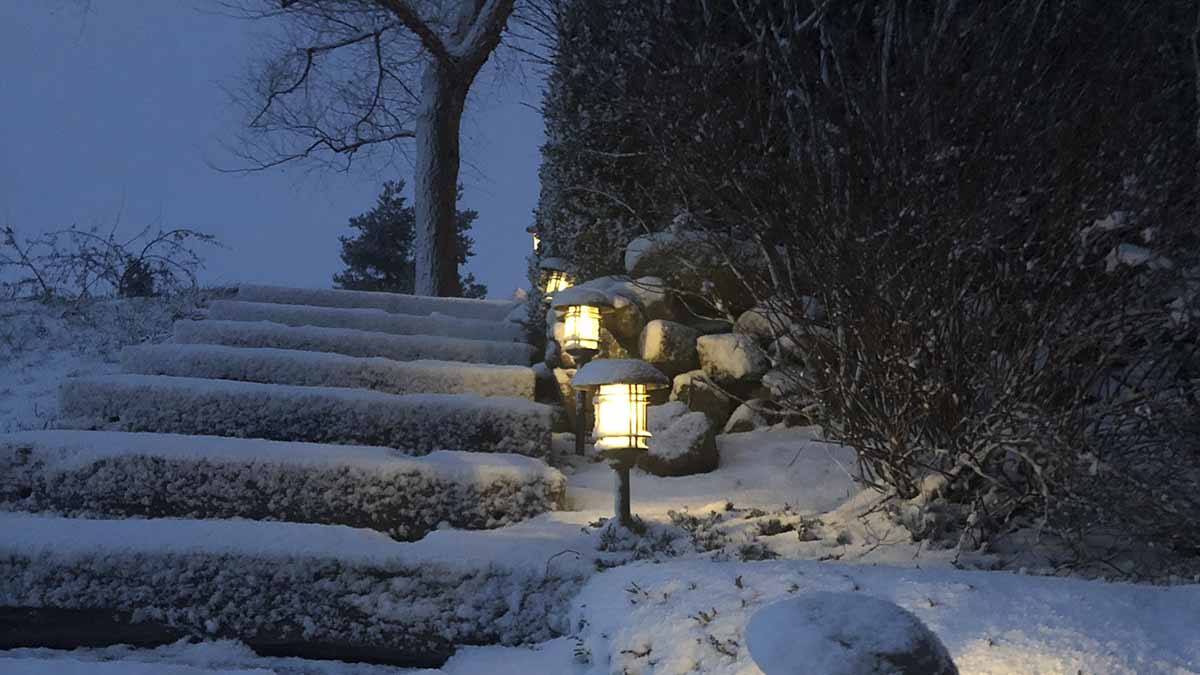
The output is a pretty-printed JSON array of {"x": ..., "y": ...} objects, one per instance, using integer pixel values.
[
  {"x": 994, "y": 209},
  {"x": 76, "y": 264}
]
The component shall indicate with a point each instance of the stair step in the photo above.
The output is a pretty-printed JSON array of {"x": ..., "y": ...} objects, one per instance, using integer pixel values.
[
  {"x": 292, "y": 583},
  {"x": 322, "y": 369},
  {"x": 376, "y": 320},
  {"x": 399, "y": 303},
  {"x": 352, "y": 342},
  {"x": 118, "y": 474},
  {"x": 413, "y": 423}
]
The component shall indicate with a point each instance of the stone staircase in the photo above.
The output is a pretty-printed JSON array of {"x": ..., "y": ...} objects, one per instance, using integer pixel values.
[{"x": 273, "y": 476}]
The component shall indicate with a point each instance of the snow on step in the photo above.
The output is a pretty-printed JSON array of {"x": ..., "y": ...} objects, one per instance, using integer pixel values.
[
  {"x": 60, "y": 665},
  {"x": 286, "y": 366},
  {"x": 413, "y": 423},
  {"x": 352, "y": 342},
  {"x": 466, "y": 308},
  {"x": 376, "y": 320},
  {"x": 251, "y": 580},
  {"x": 120, "y": 474}
]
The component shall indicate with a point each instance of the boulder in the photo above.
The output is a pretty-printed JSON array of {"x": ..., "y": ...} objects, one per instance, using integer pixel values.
[
  {"x": 843, "y": 634},
  {"x": 759, "y": 324},
  {"x": 625, "y": 320},
  {"x": 686, "y": 445},
  {"x": 731, "y": 358},
  {"x": 699, "y": 394},
  {"x": 650, "y": 293},
  {"x": 670, "y": 346},
  {"x": 784, "y": 382},
  {"x": 545, "y": 386},
  {"x": 640, "y": 253},
  {"x": 753, "y": 414},
  {"x": 659, "y": 417},
  {"x": 612, "y": 348},
  {"x": 562, "y": 379}
]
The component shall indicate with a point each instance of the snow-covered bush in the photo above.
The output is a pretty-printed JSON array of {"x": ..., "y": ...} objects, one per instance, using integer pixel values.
[{"x": 1005, "y": 261}]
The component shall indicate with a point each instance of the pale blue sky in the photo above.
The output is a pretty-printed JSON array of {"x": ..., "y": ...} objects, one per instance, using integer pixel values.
[{"x": 117, "y": 110}]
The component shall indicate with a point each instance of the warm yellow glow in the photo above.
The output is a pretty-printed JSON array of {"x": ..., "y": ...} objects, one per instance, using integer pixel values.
[
  {"x": 537, "y": 243},
  {"x": 556, "y": 281},
  {"x": 581, "y": 328},
  {"x": 621, "y": 416}
]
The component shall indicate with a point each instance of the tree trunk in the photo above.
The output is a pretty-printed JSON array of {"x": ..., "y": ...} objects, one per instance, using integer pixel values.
[{"x": 443, "y": 95}]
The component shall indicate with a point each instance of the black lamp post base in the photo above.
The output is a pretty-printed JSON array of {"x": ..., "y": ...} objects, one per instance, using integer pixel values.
[{"x": 582, "y": 428}]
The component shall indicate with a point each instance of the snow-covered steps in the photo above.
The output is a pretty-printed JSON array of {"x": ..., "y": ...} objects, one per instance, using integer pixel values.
[
  {"x": 467, "y": 308},
  {"x": 414, "y": 423},
  {"x": 376, "y": 320},
  {"x": 115, "y": 474},
  {"x": 321, "y": 369},
  {"x": 270, "y": 583},
  {"x": 352, "y": 342}
]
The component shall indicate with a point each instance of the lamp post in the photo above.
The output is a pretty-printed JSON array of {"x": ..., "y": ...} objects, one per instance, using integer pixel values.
[
  {"x": 581, "y": 339},
  {"x": 554, "y": 275},
  {"x": 622, "y": 387}
]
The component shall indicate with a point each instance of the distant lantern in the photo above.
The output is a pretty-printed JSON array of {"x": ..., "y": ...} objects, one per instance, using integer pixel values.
[
  {"x": 580, "y": 307},
  {"x": 554, "y": 275},
  {"x": 581, "y": 320},
  {"x": 537, "y": 241},
  {"x": 622, "y": 395}
]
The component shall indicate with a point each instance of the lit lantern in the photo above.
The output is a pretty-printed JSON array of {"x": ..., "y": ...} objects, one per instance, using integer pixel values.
[
  {"x": 621, "y": 416},
  {"x": 537, "y": 241},
  {"x": 581, "y": 320},
  {"x": 554, "y": 275},
  {"x": 622, "y": 387},
  {"x": 580, "y": 307}
]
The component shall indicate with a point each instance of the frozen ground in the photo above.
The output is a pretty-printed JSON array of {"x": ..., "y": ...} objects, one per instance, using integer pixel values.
[{"x": 779, "y": 494}]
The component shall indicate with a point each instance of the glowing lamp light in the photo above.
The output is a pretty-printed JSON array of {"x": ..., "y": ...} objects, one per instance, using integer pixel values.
[
  {"x": 537, "y": 241},
  {"x": 554, "y": 275},
  {"x": 621, "y": 417},
  {"x": 621, "y": 387},
  {"x": 581, "y": 319},
  {"x": 557, "y": 280},
  {"x": 581, "y": 329}
]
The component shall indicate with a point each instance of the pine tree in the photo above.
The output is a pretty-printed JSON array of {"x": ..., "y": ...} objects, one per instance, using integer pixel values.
[{"x": 380, "y": 256}]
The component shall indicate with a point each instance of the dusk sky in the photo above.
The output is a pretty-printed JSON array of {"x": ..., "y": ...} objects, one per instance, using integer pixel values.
[{"x": 115, "y": 108}]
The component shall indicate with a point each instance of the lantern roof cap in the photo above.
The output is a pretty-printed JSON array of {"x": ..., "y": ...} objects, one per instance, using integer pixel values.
[
  {"x": 555, "y": 264},
  {"x": 580, "y": 295},
  {"x": 619, "y": 371}
]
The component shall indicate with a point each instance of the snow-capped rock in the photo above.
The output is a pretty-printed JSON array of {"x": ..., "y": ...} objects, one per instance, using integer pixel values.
[
  {"x": 731, "y": 358},
  {"x": 699, "y": 393},
  {"x": 670, "y": 346},
  {"x": 685, "y": 445},
  {"x": 844, "y": 634}
]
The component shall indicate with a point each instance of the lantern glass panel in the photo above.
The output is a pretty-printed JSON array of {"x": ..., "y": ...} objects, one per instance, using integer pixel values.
[
  {"x": 621, "y": 416},
  {"x": 557, "y": 280},
  {"x": 581, "y": 328}
]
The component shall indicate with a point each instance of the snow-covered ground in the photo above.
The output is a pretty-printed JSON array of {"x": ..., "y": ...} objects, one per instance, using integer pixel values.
[
  {"x": 40, "y": 345},
  {"x": 780, "y": 517}
]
